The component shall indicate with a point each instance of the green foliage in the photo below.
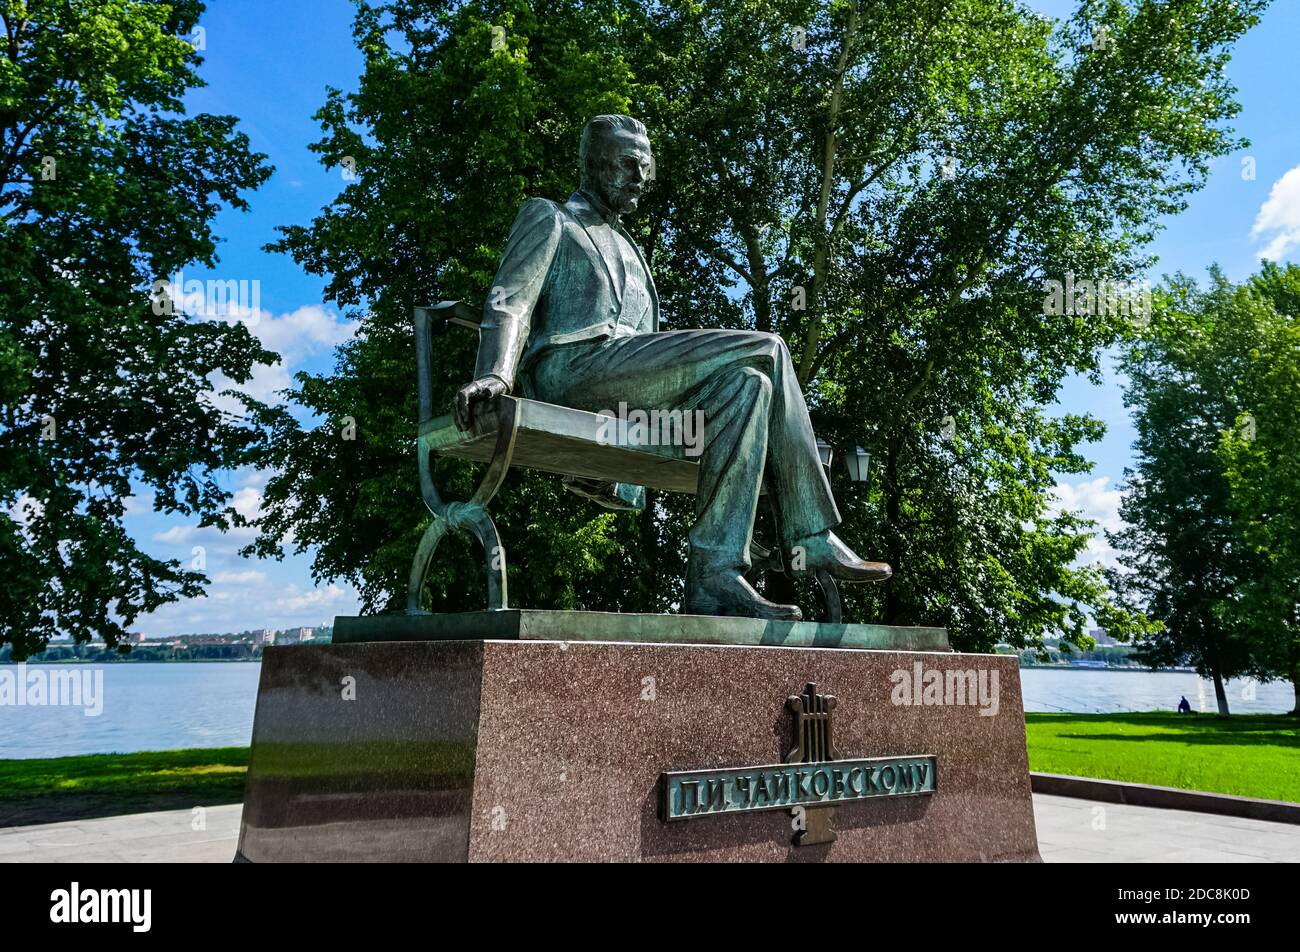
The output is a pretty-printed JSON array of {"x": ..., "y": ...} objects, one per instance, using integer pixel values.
[
  {"x": 1261, "y": 457},
  {"x": 923, "y": 289},
  {"x": 1209, "y": 547},
  {"x": 794, "y": 168},
  {"x": 106, "y": 187}
]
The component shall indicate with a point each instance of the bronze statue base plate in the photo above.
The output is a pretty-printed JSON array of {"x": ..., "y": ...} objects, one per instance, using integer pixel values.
[{"x": 526, "y": 624}]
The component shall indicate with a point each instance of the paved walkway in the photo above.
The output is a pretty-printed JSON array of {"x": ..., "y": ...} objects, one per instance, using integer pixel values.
[
  {"x": 167, "y": 837},
  {"x": 1069, "y": 831}
]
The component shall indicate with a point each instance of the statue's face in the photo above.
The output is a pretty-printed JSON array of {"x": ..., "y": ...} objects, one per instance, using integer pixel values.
[{"x": 626, "y": 167}]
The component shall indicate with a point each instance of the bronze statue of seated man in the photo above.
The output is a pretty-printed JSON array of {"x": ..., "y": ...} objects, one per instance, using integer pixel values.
[{"x": 573, "y": 319}]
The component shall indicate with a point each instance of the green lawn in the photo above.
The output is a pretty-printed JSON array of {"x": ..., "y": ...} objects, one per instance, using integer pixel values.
[
  {"x": 1250, "y": 755},
  {"x": 70, "y": 788}
]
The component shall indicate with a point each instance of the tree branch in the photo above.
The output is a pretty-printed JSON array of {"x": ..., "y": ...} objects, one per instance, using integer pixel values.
[{"x": 823, "y": 203}]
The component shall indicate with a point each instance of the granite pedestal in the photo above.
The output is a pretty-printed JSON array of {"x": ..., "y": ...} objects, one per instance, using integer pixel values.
[{"x": 543, "y": 750}]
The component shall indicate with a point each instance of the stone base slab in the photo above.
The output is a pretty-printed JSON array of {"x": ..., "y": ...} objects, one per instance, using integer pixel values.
[
  {"x": 532, "y": 624},
  {"x": 553, "y": 751}
]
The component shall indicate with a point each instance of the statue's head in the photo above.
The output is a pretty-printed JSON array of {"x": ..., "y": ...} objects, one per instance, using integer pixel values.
[{"x": 615, "y": 160}]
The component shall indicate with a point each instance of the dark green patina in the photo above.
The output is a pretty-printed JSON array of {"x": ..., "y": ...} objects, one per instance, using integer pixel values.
[{"x": 543, "y": 625}]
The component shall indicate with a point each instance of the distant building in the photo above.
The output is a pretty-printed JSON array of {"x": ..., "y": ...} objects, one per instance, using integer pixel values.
[
  {"x": 1103, "y": 640},
  {"x": 135, "y": 638},
  {"x": 264, "y": 637},
  {"x": 294, "y": 636}
]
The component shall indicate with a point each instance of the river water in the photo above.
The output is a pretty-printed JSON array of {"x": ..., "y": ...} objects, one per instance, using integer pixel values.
[{"x": 144, "y": 706}]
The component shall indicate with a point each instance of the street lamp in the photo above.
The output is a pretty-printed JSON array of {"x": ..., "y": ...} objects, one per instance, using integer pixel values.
[
  {"x": 856, "y": 463},
  {"x": 824, "y": 452}
]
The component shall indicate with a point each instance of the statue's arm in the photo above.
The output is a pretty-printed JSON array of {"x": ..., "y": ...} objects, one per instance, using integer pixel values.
[{"x": 508, "y": 312}]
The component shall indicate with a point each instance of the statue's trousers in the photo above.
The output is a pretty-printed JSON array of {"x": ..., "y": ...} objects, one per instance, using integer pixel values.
[{"x": 755, "y": 420}]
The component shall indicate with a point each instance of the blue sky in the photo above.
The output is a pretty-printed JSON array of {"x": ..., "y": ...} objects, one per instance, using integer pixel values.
[
  {"x": 1215, "y": 228},
  {"x": 270, "y": 63}
]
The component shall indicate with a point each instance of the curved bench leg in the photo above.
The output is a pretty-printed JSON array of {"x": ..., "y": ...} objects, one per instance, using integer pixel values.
[
  {"x": 476, "y": 521},
  {"x": 469, "y": 516},
  {"x": 420, "y": 564},
  {"x": 830, "y": 593},
  {"x": 494, "y": 553}
]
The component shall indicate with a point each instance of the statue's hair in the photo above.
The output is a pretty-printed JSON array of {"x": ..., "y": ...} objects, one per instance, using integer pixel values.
[{"x": 599, "y": 129}]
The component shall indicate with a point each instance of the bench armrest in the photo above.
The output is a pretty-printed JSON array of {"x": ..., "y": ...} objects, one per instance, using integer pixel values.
[
  {"x": 428, "y": 320},
  {"x": 449, "y": 312}
]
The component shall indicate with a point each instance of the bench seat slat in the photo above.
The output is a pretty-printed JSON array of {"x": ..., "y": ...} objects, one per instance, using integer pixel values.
[{"x": 568, "y": 442}]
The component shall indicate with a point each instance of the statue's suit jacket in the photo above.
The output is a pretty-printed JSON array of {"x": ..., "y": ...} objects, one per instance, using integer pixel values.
[{"x": 555, "y": 286}]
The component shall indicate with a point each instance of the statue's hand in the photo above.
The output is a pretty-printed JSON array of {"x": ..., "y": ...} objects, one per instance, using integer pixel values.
[{"x": 485, "y": 388}]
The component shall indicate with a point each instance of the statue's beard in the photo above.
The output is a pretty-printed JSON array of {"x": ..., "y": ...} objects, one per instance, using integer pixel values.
[
  {"x": 625, "y": 199},
  {"x": 619, "y": 193}
]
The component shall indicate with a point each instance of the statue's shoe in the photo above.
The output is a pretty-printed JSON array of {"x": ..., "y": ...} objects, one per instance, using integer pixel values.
[
  {"x": 826, "y": 552},
  {"x": 727, "y": 593}
]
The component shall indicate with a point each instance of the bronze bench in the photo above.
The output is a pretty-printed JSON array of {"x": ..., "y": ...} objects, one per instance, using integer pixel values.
[{"x": 512, "y": 431}]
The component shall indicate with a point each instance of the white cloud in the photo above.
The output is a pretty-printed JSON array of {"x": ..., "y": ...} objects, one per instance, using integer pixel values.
[
  {"x": 246, "y": 577},
  {"x": 242, "y": 598},
  {"x": 243, "y": 593},
  {"x": 1093, "y": 499},
  {"x": 138, "y": 504},
  {"x": 26, "y": 509},
  {"x": 176, "y": 535},
  {"x": 209, "y": 536},
  {"x": 248, "y": 502},
  {"x": 265, "y": 384},
  {"x": 295, "y": 600},
  {"x": 252, "y": 477},
  {"x": 1279, "y": 217},
  {"x": 308, "y": 332}
]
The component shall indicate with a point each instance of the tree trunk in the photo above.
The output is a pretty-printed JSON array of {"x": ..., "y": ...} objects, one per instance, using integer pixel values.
[
  {"x": 821, "y": 254},
  {"x": 893, "y": 515},
  {"x": 648, "y": 531},
  {"x": 1220, "y": 694}
]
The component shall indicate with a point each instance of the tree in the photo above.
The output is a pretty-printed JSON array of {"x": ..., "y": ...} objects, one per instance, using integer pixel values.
[
  {"x": 106, "y": 188},
  {"x": 462, "y": 114},
  {"x": 1261, "y": 456},
  {"x": 1185, "y": 562},
  {"x": 889, "y": 190},
  {"x": 887, "y": 185}
]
